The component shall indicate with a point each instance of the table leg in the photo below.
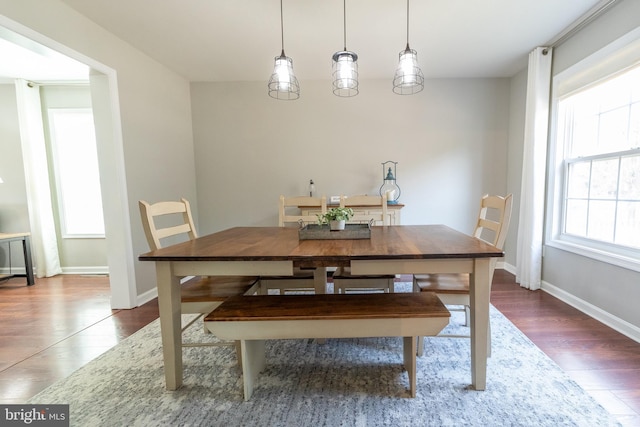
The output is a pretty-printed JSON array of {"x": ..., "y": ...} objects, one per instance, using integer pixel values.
[
  {"x": 170, "y": 324},
  {"x": 253, "y": 362},
  {"x": 28, "y": 263},
  {"x": 320, "y": 279},
  {"x": 479, "y": 291},
  {"x": 409, "y": 356}
]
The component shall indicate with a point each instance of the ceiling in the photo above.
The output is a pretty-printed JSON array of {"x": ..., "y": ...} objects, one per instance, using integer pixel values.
[{"x": 236, "y": 40}]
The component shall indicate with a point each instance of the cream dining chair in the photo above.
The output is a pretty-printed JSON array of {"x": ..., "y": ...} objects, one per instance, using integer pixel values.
[
  {"x": 172, "y": 220},
  {"x": 453, "y": 289},
  {"x": 366, "y": 209},
  {"x": 289, "y": 215}
]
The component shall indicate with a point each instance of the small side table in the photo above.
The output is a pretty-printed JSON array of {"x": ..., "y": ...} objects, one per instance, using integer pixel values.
[{"x": 26, "y": 248}]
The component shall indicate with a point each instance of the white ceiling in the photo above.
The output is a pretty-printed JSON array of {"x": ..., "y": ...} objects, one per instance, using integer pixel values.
[{"x": 236, "y": 40}]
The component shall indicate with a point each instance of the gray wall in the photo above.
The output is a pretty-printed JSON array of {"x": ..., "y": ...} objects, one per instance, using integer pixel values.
[
  {"x": 450, "y": 141},
  {"x": 585, "y": 282}
]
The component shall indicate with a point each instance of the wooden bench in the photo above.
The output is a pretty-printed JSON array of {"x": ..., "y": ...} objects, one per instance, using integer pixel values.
[{"x": 253, "y": 319}]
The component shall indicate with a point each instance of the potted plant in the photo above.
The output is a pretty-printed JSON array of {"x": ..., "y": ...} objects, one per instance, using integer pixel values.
[{"x": 336, "y": 218}]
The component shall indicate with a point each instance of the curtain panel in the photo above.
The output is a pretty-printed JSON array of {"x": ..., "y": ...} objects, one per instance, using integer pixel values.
[
  {"x": 43, "y": 232},
  {"x": 534, "y": 167}
]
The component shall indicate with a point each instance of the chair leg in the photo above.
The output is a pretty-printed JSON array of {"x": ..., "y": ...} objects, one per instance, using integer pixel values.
[
  {"x": 420, "y": 346},
  {"x": 239, "y": 354},
  {"x": 262, "y": 288},
  {"x": 489, "y": 339}
]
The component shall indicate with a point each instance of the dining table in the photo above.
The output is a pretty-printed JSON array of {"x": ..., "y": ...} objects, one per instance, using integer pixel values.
[{"x": 275, "y": 251}]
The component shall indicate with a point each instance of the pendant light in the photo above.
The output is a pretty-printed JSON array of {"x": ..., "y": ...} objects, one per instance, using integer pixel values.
[
  {"x": 408, "y": 78},
  {"x": 283, "y": 84},
  {"x": 345, "y": 67}
]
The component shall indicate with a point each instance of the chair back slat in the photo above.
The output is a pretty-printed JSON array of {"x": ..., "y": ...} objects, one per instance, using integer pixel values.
[
  {"x": 380, "y": 217},
  {"x": 289, "y": 209},
  {"x": 493, "y": 221},
  {"x": 150, "y": 213}
]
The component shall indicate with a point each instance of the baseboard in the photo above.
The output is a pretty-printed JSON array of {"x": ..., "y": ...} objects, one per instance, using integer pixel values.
[
  {"x": 505, "y": 266},
  {"x": 153, "y": 293},
  {"x": 5, "y": 271},
  {"x": 89, "y": 270},
  {"x": 597, "y": 313},
  {"x": 146, "y": 296}
]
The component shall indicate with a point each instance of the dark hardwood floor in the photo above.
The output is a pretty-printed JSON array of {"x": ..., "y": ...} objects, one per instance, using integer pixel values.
[{"x": 49, "y": 330}]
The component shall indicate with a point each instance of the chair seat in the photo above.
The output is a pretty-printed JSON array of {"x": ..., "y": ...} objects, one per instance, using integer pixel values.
[
  {"x": 442, "y": 283},
  {"x": 205, "y": 289},
  {"x": 344, "y": 273}
]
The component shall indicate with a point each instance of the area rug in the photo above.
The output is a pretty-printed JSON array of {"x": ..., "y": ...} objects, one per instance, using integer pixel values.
[{"x": 346, "y": 382}]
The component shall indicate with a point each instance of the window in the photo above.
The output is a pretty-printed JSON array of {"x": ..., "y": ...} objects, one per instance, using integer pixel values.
[
  {"x": 597, "y": 174},
  {"x": 75, "y": 159}
]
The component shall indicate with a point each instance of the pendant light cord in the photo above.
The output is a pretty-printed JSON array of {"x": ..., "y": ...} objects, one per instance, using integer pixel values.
[
  {"x": 407, "y": 24},
  {"x": 344, "y": 17},
  {"x": 281, "y": 28}
]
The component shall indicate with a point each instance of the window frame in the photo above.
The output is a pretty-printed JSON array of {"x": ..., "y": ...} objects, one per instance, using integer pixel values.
[{"x": 614, "y": 58}]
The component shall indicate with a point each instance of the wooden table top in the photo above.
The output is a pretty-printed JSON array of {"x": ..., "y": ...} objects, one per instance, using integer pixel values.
[{"x": 281, "y": 243}]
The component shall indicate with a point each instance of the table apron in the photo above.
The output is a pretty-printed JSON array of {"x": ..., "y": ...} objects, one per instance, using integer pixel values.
[
  {"x": 412, "y": 266},
  {"x": 232, "y": 268}
]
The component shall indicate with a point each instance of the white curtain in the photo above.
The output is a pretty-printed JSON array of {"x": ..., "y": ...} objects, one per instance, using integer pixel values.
[
  {"x": 534, "y": 165},
  {"x": 43, "y": 233}
]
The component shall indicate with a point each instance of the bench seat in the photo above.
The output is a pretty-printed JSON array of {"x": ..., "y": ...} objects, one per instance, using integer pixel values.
[{"x": 254, "y": 319}]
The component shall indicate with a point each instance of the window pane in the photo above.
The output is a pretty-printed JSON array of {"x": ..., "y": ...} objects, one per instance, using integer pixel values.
[
  {"x": 578, "y": 185},
  {"x": 630, "y": 178},
  {"x": 76, "y": 161},
  {"x": 576, "y": 222},
  {"x": 601, "y": 220},
  {"x": 613, "y": 129},
  {"x": 584, "y": 130},
  {"x": 628, "y": 225},
  {"x": 634, "y": 125},
  {"x": 604, "y": 179}
]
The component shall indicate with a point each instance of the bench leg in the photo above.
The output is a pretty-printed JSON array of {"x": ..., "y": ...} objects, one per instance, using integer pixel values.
[
  {"x": 253, "y": 362},
  {"x": 409, "y": 353}
]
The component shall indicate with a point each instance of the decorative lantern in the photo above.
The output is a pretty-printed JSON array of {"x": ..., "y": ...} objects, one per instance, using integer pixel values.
[{"x": 389, "y": 185}]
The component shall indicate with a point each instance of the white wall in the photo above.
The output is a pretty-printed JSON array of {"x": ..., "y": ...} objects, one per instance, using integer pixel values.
[
  {"x": 605, "y": 291},
  {"x": 450, "y": 141},
  {"x": 154, "y": 106}
]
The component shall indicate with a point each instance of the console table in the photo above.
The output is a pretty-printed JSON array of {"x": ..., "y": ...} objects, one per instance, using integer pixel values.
[
  {"x": 393, "y": 210},
  {"x": 26, "y": 249}
]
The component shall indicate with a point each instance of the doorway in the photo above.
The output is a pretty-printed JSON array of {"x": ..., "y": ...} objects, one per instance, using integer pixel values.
[{"x": 103, "y": 88}]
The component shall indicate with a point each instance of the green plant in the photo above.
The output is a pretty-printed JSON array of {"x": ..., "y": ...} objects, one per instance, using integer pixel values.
[{"x": 335, "y": 214}]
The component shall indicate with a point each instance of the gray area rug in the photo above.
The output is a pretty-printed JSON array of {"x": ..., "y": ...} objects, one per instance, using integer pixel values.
[{"x": 347, "y": 382}]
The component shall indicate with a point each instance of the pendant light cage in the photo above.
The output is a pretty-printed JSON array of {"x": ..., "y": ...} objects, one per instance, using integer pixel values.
[
  {"x": 408, "y": 78},
  {"x": 345, "y": 74},
  {"x": 283, "y": 83},
  {"x": 345, "y": 67}
]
